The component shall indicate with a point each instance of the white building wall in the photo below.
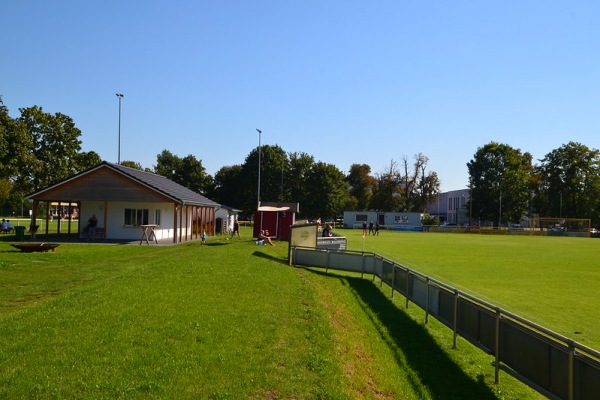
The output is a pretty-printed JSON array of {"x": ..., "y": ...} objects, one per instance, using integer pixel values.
[
  {"x": 402, "y": 220},
  {"x": 115, "y": 218},
  {"x": 354, "y": 219}
]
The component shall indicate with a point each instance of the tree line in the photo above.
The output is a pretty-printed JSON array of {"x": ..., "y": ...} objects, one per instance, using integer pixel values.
[
  {"x": 38, "y": 149},
  {"x": 506, "y": 184}
]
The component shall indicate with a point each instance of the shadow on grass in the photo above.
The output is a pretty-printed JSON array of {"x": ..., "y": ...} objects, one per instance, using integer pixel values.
[
  {"x": 7, "y": 237},
  {"x": 270, "y": 257},
  {"x": 413, "y": 346}
]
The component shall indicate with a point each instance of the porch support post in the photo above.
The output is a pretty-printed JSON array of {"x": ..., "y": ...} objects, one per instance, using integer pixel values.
[
  {"x": 70, "y": 218},
  {"x": 105, "y": 219},
  {"x": 174, "y": 222},
  {"x": 58, "y": 225},
  {"x": 33, "y": 219},
  {"x": 188, "y": 227},
  {"x": 47, "y": 207},
  {"x": 180, "y": 223}
]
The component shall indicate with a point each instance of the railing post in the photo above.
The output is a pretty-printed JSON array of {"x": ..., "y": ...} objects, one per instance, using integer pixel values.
[
  {"x": 455, "y": 318},
  {"x": 393, "y": 279},
  {"x": 362, "y": 272},
  {"x": 374, "y": 267},
  {"x": 327, "y": 267},
  {"x": 497, "y": 348},
  {"x": 571, "y": 369},
  {"x": 407, "y": 286},
  {"x": 427, "y": 301}
]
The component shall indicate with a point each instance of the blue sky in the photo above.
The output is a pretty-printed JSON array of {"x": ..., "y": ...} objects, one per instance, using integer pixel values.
[{"x": 344, "y": 81}]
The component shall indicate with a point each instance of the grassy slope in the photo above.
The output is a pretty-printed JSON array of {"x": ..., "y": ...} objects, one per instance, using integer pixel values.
[{"x": 222, "y": 321}]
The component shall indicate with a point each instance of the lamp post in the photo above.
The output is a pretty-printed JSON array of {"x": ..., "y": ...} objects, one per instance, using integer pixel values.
[
  {"x": 560, "y": 208},
  {"x": 258, "y": 195},
  {"x": 500, "y": 212},
  {"x": 120, "y": 96}
]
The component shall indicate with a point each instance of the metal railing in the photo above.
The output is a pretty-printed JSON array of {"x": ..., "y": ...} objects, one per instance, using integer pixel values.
[{"x": 554, "y": 365}]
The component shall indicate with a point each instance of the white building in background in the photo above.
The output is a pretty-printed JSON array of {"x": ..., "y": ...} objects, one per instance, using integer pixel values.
[
  {"x": 452, "y": 207},
  {"x": 402, "y": 221},
  {"x": 225, "y": 217}
]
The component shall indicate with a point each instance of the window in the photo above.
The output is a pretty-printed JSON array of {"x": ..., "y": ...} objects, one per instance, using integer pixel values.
[
  {"x": 401, "y": 219},
  {"x": 361, "y": 217},
  {"x": 135, "y": 217},
  {"x": 157, "y": 217}
]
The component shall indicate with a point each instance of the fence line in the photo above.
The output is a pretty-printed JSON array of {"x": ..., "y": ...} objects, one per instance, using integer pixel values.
[{"x": 554, "y": 365}]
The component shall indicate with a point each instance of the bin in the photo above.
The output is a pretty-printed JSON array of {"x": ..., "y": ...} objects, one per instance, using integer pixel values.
[{"x": 20, "y": 233}]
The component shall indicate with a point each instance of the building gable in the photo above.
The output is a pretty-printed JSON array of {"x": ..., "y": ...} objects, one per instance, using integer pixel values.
[{"x": 103, "y": 184}]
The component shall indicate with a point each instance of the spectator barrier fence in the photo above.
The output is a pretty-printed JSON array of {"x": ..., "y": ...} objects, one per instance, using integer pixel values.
[{"x": 554, "y": 365}]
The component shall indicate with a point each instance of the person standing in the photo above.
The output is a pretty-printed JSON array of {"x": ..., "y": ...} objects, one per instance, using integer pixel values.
[
  {"x": 91, "y": 227},
  {"x": 364, "y": 228},
  {"x": 371, "y": 231},
  {"x": 377, "y": 228},
  {"x": 236, "y": 229}
]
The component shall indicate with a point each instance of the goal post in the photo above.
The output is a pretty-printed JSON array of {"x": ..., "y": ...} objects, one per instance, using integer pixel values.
[{"x": 561, "y": 226}]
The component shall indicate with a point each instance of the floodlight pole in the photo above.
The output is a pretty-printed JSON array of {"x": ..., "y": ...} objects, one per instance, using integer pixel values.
[
  {"x": 258, "y": 195},
  {"x": 120, "y": 96},
  {"x": 500, "y": 213}
]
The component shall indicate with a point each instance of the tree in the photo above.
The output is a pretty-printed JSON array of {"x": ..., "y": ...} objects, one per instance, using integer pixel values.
[
  {"x": 15, "y": 146},
  {"x": 361, "y": 185},
  {"x": 187, "y": 171},
  {"x": 419, "y": 187},
  {"x": 167, "y": 164},
  {"x": 271, "y": 160},
  {"x": 328, "y": 191},
  {"x": 194, "y": 174},
  {"x": 227, "y": 183},
  {"x": 387, "y": 193},
  {"x": 499, "y": 177},
  {"x": 5, "y": 190},
  {"x": 299, "y": 170},
  {"x": 38, "y": 149},
  {"x": 570, "y": 182},
  {"x": 132, "y": 164},
  {"x": 54, "y": 142}
]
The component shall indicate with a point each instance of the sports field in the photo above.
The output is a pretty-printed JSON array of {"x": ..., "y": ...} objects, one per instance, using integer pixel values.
[
  {"x": 231, "y": 320},
  {"x": 552, "y": 281}
]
